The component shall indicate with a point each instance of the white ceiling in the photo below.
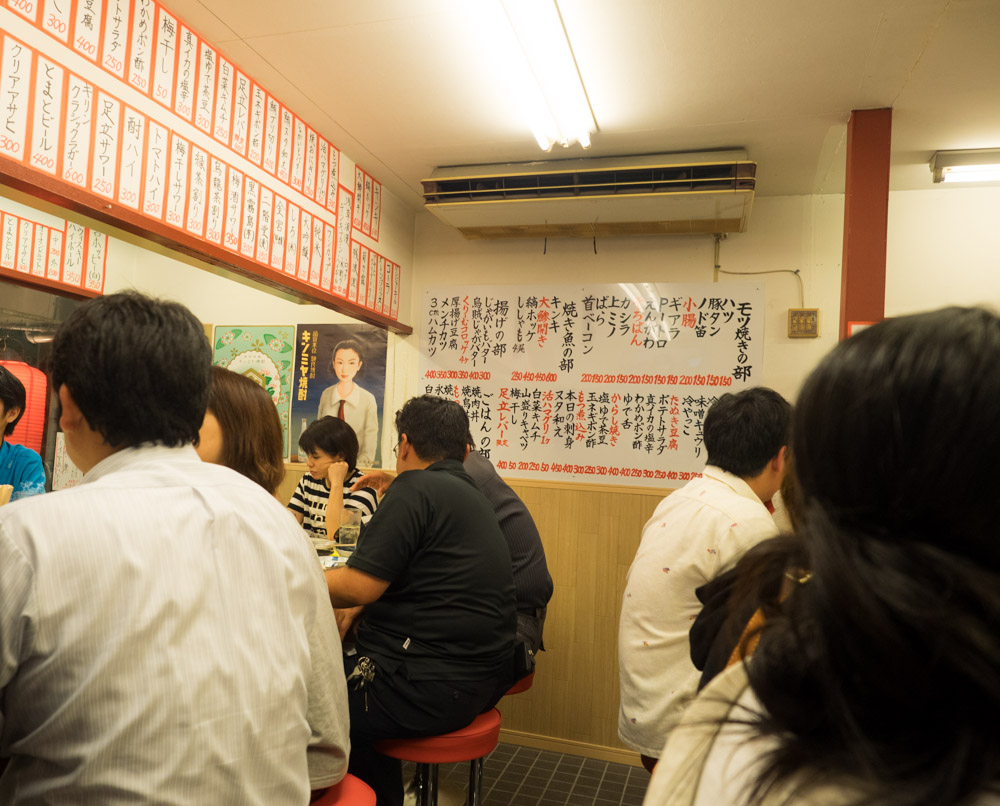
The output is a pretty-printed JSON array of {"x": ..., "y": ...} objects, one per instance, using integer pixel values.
[{"x": 404, "y": 86}]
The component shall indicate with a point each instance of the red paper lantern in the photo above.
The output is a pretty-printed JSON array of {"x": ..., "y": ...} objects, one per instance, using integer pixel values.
[{"x": 31, "y": 426}]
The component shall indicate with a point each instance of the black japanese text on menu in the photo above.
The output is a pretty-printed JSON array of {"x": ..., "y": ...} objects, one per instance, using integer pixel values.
[{"x": 607, "y": 384}]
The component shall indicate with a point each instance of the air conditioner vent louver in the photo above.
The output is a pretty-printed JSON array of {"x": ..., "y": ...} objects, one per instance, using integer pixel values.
[{"x": 666, "y": 193}]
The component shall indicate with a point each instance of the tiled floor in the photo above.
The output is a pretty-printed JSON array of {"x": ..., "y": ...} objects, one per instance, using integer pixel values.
[{"x": 522, "y": 776}]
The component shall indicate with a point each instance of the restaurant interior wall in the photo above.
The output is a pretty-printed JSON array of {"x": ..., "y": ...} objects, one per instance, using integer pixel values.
[
  {"x": 942, "y": 248},
  {"x": 590, "y": 532}
]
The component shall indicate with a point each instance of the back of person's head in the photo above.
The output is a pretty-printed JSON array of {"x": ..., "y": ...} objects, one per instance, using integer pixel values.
[
  {"x": 137, "y": 368},
  {"x": 252, "y": 443},
  {"x": 437, "y": 428},
  {"x": 746, "y": 430},
  {"x": 335, "y": 437},
  {"x": 12, "y": 395},
  {"x": 884, "y": 667}
]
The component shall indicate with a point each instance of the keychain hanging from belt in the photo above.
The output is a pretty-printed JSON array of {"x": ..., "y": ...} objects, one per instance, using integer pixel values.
[{"x": 363, "y": 674}]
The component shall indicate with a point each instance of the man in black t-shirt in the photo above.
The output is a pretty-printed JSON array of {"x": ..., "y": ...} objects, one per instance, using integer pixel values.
[{"x": 433, "y": 572}]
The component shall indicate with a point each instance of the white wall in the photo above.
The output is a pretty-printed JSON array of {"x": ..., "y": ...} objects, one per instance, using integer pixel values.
[
  {"x": 943, "y": 249},
  {"x": 795, "y": 232}
]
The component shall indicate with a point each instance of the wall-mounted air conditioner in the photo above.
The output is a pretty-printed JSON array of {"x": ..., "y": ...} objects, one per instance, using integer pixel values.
[{"x": 690, "y": 193}]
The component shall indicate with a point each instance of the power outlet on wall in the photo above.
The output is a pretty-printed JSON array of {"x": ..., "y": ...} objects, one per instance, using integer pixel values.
[{"x": 803, "y": 323}]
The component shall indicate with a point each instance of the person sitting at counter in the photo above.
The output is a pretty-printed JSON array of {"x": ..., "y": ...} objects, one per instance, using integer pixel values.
[
  {"x": 435, "y": 641},
  {"x": 241, "y": 430},
  {"x": 331, "y": 449},
  {"x": 20, "y": 466},
  {"x": 532, "y": 582},
  {"x": 165, "y": 632}
]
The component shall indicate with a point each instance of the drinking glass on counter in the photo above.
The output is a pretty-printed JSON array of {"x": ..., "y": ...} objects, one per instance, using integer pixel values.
[{"x": 350, "y": 528}]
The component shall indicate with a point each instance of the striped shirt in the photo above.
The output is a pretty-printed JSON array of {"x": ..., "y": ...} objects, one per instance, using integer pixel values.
[
  {"x": 311, "y": 496},
  {"x": 166, "y": 636}
]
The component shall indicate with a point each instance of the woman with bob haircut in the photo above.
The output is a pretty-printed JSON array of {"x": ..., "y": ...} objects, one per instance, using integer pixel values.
[
  {"x": 876, "y": 679},
  {"x": 242, "y": 431}
]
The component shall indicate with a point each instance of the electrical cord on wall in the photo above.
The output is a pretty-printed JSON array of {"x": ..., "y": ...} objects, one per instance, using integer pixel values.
[{"x": 802, "y": 293}]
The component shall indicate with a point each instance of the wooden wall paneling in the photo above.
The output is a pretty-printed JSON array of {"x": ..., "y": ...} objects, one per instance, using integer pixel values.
[{"x": 590, "y": 537}]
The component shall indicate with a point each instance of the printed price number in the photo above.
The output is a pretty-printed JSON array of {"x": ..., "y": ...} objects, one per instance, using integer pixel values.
[
  {"x": 53, "y": 23},
  {"x": 8, "y": 145},
  {"x": 44, "y": 161},
  {"x": 86, "y": 46}
]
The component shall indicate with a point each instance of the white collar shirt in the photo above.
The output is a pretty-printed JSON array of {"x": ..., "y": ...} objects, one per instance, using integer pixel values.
[
  {"x": 165, "y": 636},
  {"x": 695, "y": 533}
]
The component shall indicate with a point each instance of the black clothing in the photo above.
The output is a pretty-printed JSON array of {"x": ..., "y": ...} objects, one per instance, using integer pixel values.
[
  {"x": 441, "y": 636},
  {"x": 448, "y": 613},
  {"x": 532, "y": 582},
  {"x": 720, "y": 623},
  {"x": 391, "y": 706}
]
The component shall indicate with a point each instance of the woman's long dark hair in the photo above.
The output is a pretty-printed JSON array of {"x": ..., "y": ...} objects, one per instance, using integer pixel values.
[
  {"x": 883, "y": 670},
  {"x": 252, "y": 442}
]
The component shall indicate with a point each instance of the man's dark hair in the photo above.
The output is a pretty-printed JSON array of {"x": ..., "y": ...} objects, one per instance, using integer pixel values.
[
  {"x": 12, "y": 395},
  {"x": 334, "y": 436},
  {"x": 436, "y": 428},
  {"x": 744, "y": 431},
  {"x": 137, "y": 367}
]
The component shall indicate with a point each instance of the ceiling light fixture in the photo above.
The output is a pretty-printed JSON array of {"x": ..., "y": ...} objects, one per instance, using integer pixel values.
[
  {"x": 549, "y": 84},
  {"x": 967, "y": 165}
]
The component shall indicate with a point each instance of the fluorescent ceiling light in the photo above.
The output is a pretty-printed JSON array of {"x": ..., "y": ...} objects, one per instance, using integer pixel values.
[
  {"x": 549, "y": 86},
  {"x": 967, "y": 165}
]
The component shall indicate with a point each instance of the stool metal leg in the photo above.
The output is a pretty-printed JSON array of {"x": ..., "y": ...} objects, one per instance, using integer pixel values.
[
  {"x": 421, "y": 784},
  {"x": 475, "y": 783},
  {"x": 433, "y": 788}
]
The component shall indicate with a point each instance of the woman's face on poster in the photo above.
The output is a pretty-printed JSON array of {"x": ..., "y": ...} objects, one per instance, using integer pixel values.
[{"x": 346, "y": 364}]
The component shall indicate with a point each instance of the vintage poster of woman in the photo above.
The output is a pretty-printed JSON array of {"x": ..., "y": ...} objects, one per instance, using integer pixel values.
[{"x": 340, "y": 372}]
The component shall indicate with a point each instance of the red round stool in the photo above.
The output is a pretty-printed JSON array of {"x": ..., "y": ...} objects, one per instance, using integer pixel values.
[
  {"x": 349, "y": 792},
  {"x": 471, "y": 744},
  {"x": 522, "y": 685}
]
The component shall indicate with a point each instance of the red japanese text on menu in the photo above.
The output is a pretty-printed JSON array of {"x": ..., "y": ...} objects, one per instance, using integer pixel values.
[{"x": 607, "y": 384}]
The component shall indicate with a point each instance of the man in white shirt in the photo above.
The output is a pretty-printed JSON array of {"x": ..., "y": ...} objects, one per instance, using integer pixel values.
[
  {"x": 165, "y": 630},
  {"x": 695, "y": 534}
]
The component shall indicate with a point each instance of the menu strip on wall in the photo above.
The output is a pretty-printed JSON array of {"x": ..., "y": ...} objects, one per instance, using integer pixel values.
[
  {"x": 139, "y": 121},
  {"x": 58, "y": 254}
]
